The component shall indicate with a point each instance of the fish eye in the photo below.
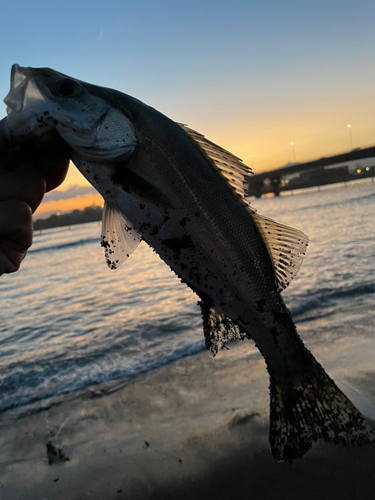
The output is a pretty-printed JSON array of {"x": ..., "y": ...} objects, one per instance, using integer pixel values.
[{"x": 67, "y": 88}]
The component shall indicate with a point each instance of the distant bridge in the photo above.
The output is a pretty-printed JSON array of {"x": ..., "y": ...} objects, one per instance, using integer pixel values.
[{"x": 356, "y": 164}]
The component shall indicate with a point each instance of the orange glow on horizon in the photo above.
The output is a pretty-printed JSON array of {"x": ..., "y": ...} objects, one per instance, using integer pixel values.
[{"x": 70, "y": 204}]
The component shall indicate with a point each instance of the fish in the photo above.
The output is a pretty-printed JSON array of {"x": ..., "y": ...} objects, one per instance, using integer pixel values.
[{"x": 168, "y": 185}]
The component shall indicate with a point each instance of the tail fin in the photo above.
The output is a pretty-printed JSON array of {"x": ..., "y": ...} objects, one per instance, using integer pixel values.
[{"x": 314, "y": 408}]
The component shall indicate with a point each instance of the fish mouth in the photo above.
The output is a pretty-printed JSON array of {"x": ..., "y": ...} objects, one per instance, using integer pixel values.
[
  {"x": 26, "y": 107},
  {"x": 23, "y": 90},
  {"x": 18, "y": 85}
]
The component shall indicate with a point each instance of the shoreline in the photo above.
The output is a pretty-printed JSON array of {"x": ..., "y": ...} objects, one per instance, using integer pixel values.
[{"x": 195, "y": 428}]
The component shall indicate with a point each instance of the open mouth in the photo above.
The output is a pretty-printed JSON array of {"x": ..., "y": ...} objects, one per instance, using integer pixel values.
[
  {"x": 25, "y": 106},
  {"x": 23, "y": 90},
  {"x": 18, "y": 84}
]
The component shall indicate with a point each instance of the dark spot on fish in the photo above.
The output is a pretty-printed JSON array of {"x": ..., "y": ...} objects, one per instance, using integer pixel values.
[
  {"x": 197, "y": 214},
  {"x": 133, "y": 183},
  {"x": 241, "y": 320},
  {"x": 95, "y": 178},
  {"x": 144, "y": 226},
  {"x": 177, "y": 244},
  {"x": 281, "y": 317},
  {"x": 184, "y": 221},
  {"x": 104, "y": 243},
  {"x": 275, "y": 335},
  {"x": 142, "y": 207},
  {"x": 155, "y": 231},
  {"x": 260, "y": 305},
  {"x": 108, "y": 191}
]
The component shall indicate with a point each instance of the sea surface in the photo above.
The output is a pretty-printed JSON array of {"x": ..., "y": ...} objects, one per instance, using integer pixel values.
[{"x": 68, "y": 323}]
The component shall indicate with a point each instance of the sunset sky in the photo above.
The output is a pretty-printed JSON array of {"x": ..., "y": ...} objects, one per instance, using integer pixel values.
[{"x": 251, "y": 76}]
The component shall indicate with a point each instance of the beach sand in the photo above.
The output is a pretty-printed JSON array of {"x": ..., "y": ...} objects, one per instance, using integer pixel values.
[{"x": 196, "y": 428}]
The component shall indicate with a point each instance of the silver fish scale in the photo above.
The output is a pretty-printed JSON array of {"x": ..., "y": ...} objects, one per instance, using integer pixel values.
[{"x": 219, "y": 252}]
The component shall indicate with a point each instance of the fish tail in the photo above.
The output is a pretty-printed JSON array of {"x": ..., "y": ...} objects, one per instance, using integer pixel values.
[{"x": 312, "y": 408}]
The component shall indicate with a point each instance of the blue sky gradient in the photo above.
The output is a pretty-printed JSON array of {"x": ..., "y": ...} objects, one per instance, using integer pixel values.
[{"x": 251, "y": 76}]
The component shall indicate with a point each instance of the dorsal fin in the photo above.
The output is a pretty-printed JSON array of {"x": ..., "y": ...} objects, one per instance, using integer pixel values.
[
  {"x": 286, "y": 246},
  {"x": 229, "y": 165},
  {"x": 119, "y": 237}
]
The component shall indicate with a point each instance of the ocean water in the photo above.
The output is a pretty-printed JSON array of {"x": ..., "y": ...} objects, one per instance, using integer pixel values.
[{"x": 68, "y": 323}]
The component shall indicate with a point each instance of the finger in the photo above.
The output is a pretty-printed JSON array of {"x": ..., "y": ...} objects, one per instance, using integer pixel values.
[
  {"x": 23, "y": 184},
  {"x": 16, "y": 230},
  {"x": 48, "y": 153},
  {"x": 53, "y": 156},
  {"x": 11, "y": 155},
  {"x": 5, "y": 148},
  {"x": 4, "y": 143}
]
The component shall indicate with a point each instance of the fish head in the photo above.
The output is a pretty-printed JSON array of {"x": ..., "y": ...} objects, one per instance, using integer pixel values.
[{"x": 41, "y": 99}]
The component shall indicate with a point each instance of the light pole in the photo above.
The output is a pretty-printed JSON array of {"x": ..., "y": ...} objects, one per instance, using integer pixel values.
[
  {"x": 294, "y": 151},
  {"x": 350, "y": 136}
]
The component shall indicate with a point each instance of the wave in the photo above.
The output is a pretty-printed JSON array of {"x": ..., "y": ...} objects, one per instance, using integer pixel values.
[
  {"x": 63, "y": 246},
  {"x": 325, "y": 299},
  {"x": 33, "y": 382},
  {"x": 346, "y": 202}
]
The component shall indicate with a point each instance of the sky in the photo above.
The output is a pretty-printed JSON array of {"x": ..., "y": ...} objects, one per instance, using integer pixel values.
[{"x": 251, "y": 76}]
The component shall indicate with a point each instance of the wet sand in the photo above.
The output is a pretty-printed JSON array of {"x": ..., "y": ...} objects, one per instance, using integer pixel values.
[{"x": 196, "y": 428}]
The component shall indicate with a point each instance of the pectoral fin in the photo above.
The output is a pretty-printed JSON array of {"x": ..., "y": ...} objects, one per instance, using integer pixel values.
[{"x": 119, "y": 237}]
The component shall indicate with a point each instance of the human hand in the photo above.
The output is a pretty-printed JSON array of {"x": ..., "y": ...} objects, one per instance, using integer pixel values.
[{"x": 27, "y": 172}]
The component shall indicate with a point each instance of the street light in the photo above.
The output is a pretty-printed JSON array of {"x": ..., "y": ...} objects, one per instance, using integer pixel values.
[
  {"x": 350, "y": 136},
  {"x": 294, "y": 151}
]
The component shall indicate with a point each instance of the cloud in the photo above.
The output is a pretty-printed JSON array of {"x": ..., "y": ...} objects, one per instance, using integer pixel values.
[{"x": 72, "y": 192}]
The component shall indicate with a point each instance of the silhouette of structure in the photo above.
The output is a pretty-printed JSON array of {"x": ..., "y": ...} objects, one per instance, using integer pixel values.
[
  {"x": 357, "y": 164},
  {"x": 89, "y": 214}
]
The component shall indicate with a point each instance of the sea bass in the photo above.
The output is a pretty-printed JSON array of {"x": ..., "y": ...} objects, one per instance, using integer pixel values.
[{"x": 182, "y": 194}]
